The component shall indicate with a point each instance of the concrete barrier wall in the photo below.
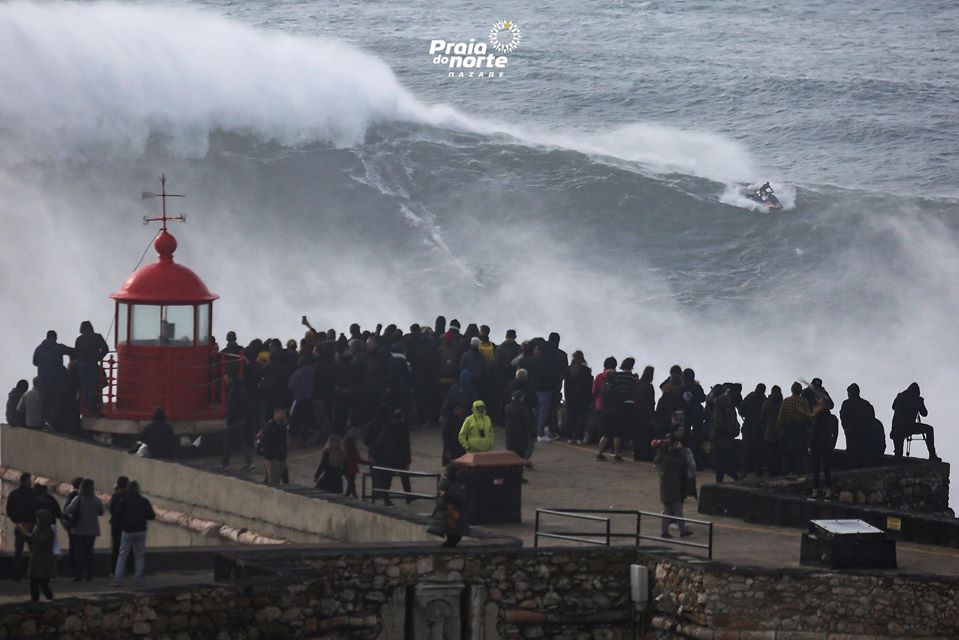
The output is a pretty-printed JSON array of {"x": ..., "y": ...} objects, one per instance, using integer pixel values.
[{"x": 298, "y": 514}]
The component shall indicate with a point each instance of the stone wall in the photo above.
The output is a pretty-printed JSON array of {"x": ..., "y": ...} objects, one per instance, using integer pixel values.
[
  {"x": 491, "y": 594},
  {"x": 802, "y": 604},
  {"x": 367, "y": 594},
  {"x": 921, "y": 486}
]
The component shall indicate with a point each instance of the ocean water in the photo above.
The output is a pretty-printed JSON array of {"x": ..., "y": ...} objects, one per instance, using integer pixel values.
[{"x": 332, "y": 169}]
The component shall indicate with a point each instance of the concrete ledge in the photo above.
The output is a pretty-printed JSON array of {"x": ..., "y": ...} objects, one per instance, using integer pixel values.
[
  {"x": 755, "y": 504},
  {"x": 297, "y": 513}
]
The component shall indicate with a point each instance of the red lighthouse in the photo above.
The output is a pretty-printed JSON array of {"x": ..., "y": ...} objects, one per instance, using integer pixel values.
[{"x": 165, "y": 356}]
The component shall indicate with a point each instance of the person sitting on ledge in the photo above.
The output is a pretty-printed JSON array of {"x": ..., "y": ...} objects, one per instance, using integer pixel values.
[
  {"x": 158, "y": 436},
  {"x": 907, "y": 408}
]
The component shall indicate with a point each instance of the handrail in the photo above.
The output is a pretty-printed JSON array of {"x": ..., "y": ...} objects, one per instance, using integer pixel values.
[
  {"x": 386, "y": 494},
  {"x": 636, "y": 536},
  {"x": 572, "y": 536}
]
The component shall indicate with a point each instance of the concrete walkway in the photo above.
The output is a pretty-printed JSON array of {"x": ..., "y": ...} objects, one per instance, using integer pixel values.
[{"x": 569, "y": 476}]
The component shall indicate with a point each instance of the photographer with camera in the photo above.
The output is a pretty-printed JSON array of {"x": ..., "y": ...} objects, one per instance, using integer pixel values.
[
  {"x": 477, "y": 432},
  {"x": 673, "y": 463}
]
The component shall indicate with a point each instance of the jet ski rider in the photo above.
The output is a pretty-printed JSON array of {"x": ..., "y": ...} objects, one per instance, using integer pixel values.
[{"x": 765, "y": 191}]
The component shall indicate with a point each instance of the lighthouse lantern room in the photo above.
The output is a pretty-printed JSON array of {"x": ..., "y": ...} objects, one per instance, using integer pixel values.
[{"x": 165, "y": 356}]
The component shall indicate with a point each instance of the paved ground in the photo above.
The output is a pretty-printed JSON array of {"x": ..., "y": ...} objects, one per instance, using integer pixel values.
[{"x": 569, "y": 476}]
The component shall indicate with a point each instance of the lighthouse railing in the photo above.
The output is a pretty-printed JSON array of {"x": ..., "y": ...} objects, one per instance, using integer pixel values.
[{"x": 166, "y": 386}]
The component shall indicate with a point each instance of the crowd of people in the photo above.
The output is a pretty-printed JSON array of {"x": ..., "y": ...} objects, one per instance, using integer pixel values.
[
  {"x": 35, "y": 513},
  {"x": 373, "y": 387}
]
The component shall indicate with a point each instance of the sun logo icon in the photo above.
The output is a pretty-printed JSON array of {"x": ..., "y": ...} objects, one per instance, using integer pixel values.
[{"x": 505, "y": 36}]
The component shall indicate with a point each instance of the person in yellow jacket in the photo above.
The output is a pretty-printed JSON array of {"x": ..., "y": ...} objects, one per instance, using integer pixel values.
[{"x": 476, "y": 435}]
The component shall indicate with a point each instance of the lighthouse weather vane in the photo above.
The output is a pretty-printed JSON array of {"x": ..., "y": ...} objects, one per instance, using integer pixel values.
[{"x": 163, "y": 195}]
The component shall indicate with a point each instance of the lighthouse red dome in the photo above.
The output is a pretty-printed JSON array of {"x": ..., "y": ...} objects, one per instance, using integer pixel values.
[{"x": 164, "y": 281}]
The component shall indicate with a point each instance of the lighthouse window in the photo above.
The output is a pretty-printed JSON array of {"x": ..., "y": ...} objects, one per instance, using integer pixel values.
[
  {"x": 203, "y": 324},
  {"x": 146, "y": 324},
  {"x": 177, "y": 326},
  {"x": 122, "y": 322}
]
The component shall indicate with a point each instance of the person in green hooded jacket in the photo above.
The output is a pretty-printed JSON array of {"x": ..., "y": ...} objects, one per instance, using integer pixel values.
[{"x": 476, "y": 435}]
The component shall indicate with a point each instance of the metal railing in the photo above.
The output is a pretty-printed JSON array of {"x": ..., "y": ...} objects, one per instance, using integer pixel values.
[
  {"x": 386, "y": 494},
  {"x": 164, "y": 386},
  {"x": 607, "y": 536}
]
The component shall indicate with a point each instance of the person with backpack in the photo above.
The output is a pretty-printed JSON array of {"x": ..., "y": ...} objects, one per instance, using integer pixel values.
[{"x": 85, "y": 511}]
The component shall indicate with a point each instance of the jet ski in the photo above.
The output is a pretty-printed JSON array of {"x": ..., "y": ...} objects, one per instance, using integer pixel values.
[{"x": 765, "y": 197}]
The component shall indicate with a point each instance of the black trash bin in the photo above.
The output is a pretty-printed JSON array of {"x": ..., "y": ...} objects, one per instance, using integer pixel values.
[{"x": 494, "y": 486}]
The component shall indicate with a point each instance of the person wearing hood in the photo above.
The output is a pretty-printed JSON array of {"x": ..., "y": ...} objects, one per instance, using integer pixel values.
[
  {"x": 15, "y": 416},
  {"x": 579, "y": 395},
  {"x": 907, "y": 408},
  {"x": 751, "y": 409},
  {"x": 769, "y": 417},
  {"x": 43, "y": 561},
  {"x": 645, "y": 409},
  {"x": 158, "y": 436},
  {"x": 476, "y": 435},
  {"x": 455, "y": 409},
  {"x": 51, "y": 374},
  {"x": 90, "y": 348}
]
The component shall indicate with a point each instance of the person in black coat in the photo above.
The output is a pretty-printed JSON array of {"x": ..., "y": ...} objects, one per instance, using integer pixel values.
[
  {"x": 236, "y": 420},
  {"x": 907, "y": 408},
  {"x": 158, "y": 436},
  {"x": 520, "y": 426},
  {"x": 116, "y": 532},
  {"x": 579, "y": 396},
  {"x": 132, "y": 516},
  {"x": 89, "y": 349},
  {"x": 857, "y": 416},
  {"x": 392, "y": 450},
  {"x": 822, "y": 442},
  {"x": 272, "y": 445},
  {"x": 753, "y": 429},
  {"x": 22, "y": 510}
]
